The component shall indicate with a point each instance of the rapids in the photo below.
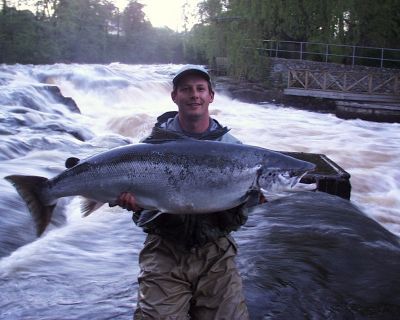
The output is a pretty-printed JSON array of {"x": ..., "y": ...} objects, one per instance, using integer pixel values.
[{"x": 306, "y": 256}]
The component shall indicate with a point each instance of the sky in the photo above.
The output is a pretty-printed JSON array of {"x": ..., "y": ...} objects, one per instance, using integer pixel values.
[
  {"x": 160, "y": 13},
  {"x": 163, "y": 13}
]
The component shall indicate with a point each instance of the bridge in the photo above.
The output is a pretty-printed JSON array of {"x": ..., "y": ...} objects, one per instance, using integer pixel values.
[
  {"x": 345, "y": 85},
  {"x": 370, "y": 96},
  {"x": 364, "y": 81}
]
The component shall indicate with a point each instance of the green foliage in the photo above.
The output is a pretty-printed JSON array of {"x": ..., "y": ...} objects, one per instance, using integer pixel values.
[
  {"x": 247, "y": 63},
  {"x": 80, "y": 30},
  {"x": 234, "y": 29},
  {"x": 21, "y": 37},
  {"x": 198, "y": 45},
  {"x": 84, "y": 31},
  {"x": 94, "y": 31}
]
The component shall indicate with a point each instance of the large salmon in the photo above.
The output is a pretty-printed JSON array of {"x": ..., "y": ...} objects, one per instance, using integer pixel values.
[{"x": 181, "y": 176}]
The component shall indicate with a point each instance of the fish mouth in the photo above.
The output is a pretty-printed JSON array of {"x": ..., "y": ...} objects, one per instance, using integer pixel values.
[
  {"x": 288, "y": 181},
  {"x": 284, "y": 185},
  {"x": 292, "y": 181}
]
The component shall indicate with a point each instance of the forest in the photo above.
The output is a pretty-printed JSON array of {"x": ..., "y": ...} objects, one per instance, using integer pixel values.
[{"x": 96, "y": 31}]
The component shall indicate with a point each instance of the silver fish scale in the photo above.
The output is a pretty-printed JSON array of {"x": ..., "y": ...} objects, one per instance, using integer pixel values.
[{"x": 177, "y": 176}]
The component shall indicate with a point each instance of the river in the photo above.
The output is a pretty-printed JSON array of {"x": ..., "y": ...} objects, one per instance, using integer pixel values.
[{"x": 305, "y": 256}]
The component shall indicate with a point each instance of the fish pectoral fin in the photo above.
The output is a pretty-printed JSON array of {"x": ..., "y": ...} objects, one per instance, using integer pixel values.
[
  {"x": 147, "y": 216},
  {"x": 88, "y": 206}
]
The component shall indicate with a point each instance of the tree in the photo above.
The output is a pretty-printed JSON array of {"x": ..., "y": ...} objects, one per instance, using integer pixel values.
[
  {"x": 133, "y": 19},
  {"x": 45, "y": 9},
  {"x": 81, "y": 29},
  {"x": 235, "y": 28},
  {"x": 21, "y": 38},
  {"x": 4, "y": 7},
  {"x": 135, "y": 29}
]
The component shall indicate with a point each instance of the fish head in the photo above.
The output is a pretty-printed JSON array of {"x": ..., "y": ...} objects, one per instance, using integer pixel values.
[{"x": 281, "y": 172}]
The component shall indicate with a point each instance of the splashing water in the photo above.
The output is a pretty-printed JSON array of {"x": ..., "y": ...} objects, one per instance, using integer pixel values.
[{"x": 87, "y": 268}]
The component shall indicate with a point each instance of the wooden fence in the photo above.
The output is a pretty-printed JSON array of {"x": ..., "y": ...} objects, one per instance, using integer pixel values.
[{"x": 341, "y": 84}]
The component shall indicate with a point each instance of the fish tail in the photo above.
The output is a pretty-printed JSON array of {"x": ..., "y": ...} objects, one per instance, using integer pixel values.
[{"x": 29, "y": 188}]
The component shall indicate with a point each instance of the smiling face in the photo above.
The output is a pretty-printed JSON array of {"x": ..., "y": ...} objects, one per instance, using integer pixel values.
[{"x": 193, "y": 95}]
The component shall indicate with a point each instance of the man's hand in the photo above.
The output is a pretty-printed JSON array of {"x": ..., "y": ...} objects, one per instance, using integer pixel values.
[
  {"x": 127, "y": 201},
  {"x": 254, "y": 198}
]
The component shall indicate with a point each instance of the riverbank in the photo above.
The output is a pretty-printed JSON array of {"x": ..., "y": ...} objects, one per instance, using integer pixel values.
[{"x": 257, "y": 93}]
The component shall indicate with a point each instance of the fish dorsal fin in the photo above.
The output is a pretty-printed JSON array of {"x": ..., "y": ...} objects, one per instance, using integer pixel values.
[
  {"x": 71, "y": 162},
  {"x": 161, "y": 135},
  {"x": 88, "y": 206}
]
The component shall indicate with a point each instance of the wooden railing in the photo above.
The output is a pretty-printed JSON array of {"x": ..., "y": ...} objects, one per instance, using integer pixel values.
[{"x": 345, "y": 81}]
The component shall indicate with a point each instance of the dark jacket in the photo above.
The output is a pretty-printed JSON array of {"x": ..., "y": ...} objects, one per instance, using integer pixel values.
[{"x": 188, "y": 230}]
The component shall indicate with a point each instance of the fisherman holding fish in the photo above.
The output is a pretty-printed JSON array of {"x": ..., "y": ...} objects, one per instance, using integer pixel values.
[{"x": 187, "y": 263}]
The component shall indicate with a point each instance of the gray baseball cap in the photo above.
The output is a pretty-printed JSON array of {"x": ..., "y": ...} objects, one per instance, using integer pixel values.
[{"x": 191, "y": 69}]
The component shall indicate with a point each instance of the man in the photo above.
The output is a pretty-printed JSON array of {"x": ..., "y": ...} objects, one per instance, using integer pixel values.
[{"x": 187, "y": 263}]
